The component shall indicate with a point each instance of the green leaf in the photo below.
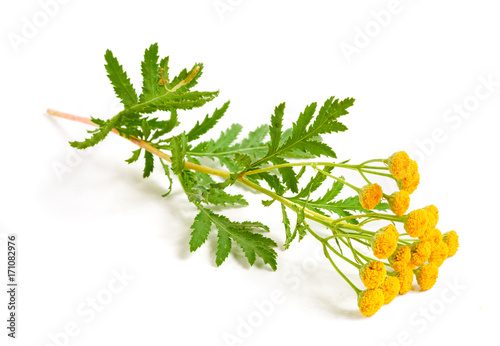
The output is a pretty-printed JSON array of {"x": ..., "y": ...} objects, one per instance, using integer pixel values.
[
  {"x": 276, "y": 128},
  {"x": 333, "y": 191},
  {"x": 252, "y": 244},
  {"x": 201, "y": 228},
  {"x": 286, "y": 223},
  {"x": 121, "y": 83},
  {"x": 252, "y": 225},
  {"x": 207, "y": 123},
  {"x": 168, "y": 125},
  {"x": 149, "y": 165},
  {"x": 135, "y": 156},
  {"x": 314, "y": 183},
  {"x": 287, "y": 173},
  {"x": 304, "y": 135},
  {"x": 223, "y": 244},
  {"x": 167, "y": 173},
  {"x": 242, "y": 160},
  {"x": 150, "y": 73},
  {"x": 178, "y": 146},
  {"x": 220, "y": 197},
  {"x": 254, "y": 139},
  {"x": 98, "y": 134},
  {"x": 170, "y": 101}
]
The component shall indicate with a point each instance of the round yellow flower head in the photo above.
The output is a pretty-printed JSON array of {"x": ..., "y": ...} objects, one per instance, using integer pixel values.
[
  {"x": 426, "y": 235},
  {"x": 432, "y": 210},
  {"x": 398, "y": 164},
  {"x": 399, "y": 202},
  {"x": 451, "y": 239},
  {"x": 426, "y": 276},
  {"x": 370, "y": 195},
  {"x": 400, "y": 258},
  {"x": 390, "y": 288},
  {"x": 416, "y": 223},
  {"x": 372, "y": 274},
  {"x": 410, "y": 181},
  {"x": 420, "y": 252},
  {"x": 439, "y": 254},
  {"x": 370, "y": 301},
  {"x": 384, "y": 241},
  {"x": 405, "y": 278},
  {"x": 435, "y": 238}
]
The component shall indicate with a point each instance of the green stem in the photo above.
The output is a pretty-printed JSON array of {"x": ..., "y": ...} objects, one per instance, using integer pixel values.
[
  {"x": 337, "y": 178},
  {"x": 325, "y": 250},
  {"x": 300, "y": 164}
]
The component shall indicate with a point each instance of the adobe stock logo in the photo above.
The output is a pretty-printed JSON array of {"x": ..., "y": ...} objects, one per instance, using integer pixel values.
[
  {"x": 31, "y": 25},
  {"x": 455, "y": 116},
  {"x": 222, "y": 7},
  {"x": 364, "y": 35}
]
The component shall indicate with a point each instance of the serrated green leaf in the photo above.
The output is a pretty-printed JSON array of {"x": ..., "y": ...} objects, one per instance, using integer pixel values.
[
  {"x": 167, "y": 173},
  {"x": 251, "y": 225},
  {"x": 276, "y": 128},
  {"x": 149, "y": 164},
  {"x": 167, "y": 126},
  {"x": 135, "y": 156},
  {"x": 252, "y": 244},
  {"x": 286, "y": 224},
  {"x": 332, "y": 192},
  {"x": 98, "y": 134},
  {"x": 201, "y": 228},
  {"x": 314, "y": 183},
  {"x": 150, "y": 73},
  {"x": 223, "y": 244},
  {"x": 303, "y": 136},
  {"x": 178, "y": 147},
  {"x": 242, "y": 160},
  {"x": 287, "y": 174},
  {"x": 121, "y": 83},
  {"x": 220, "y": 197},
  {"x": 207, "y": 123},
  {"x": 255, "y": 138},
  {"x": 170, "y": 101}
]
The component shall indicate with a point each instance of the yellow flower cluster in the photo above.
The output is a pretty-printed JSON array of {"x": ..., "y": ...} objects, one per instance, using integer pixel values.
[
  {"x": 405, "y": 170},
  {"x": 418, "y": 257}
]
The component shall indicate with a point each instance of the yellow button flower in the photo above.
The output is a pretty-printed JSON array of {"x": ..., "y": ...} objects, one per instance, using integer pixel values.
[
  {"x": 416, "y": 223},
  {"x": 398, "y": 164},
  {"x": 426, "y": 276},
  {"x": 399, "y": 202},
  {"x": 390, "y": 288},
  {"x": 451, "y": 239},
  {"x": 373, "y": 274},
  {"x": 370, "y": 301},
  {"x": 370, "y": 195},
  {"x": 384, "y": 241}
]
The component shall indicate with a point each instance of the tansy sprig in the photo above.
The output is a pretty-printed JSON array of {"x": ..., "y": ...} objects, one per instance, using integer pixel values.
[{"x": 262, "y": 162}]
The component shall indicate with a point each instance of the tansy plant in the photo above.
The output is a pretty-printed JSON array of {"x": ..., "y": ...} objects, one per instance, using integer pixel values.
[{"x": 261, "y": 162}]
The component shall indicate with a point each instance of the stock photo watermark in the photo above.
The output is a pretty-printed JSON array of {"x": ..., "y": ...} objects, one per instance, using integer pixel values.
[
  {"x": 12, "y": 289},
  {"x": 427, "y": 314},
  {"x": 454, "y": 116},
  {"x": 365, "y": 34},
  {"x": 246, "y": 327},
  {"x": 224, "y": 7},
  {"x": 90, "y": 308},
  {"x": 73, "y": 159},
  {"x": 30, "y": 26},
  {"x": 264, "y": 309}
]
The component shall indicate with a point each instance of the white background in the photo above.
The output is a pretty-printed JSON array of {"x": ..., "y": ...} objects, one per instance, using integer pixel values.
[{"x": 78, "y": 229}]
